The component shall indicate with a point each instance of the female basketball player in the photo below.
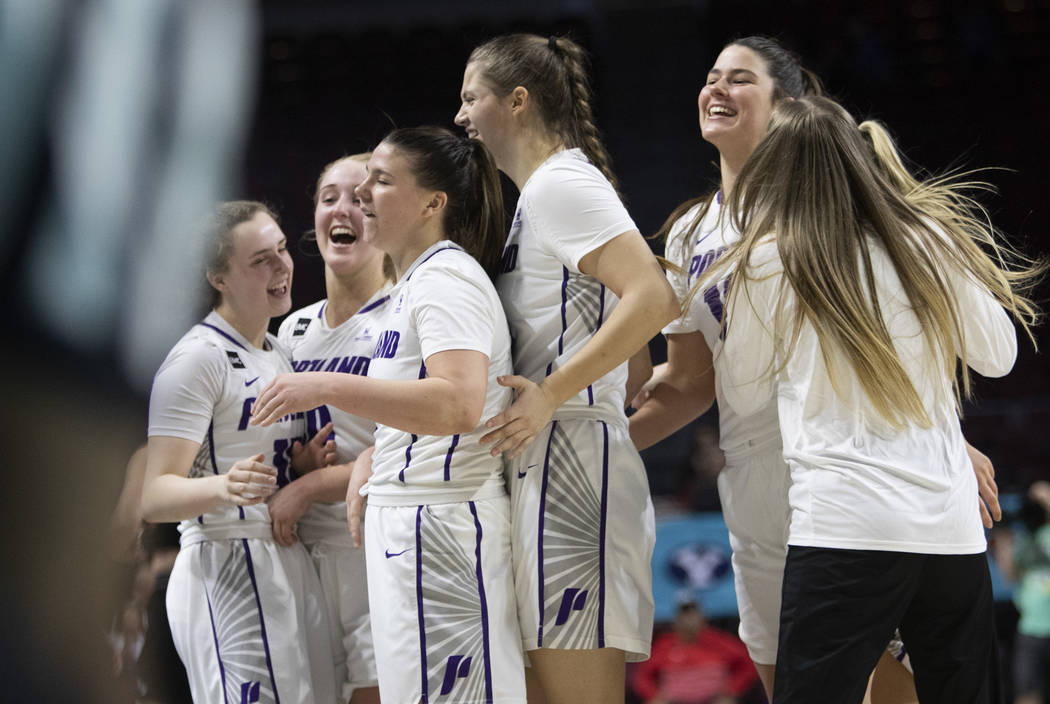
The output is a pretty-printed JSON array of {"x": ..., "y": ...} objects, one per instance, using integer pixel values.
[
  {"x": 437, "y": 529},
  {"x": 583, "y": 293},
  {"x": 337, "y": 333},
  {"x": 850, "y": 305},
  {"x": 749, "y": 77},
  {"x": 246, "y": 614}
]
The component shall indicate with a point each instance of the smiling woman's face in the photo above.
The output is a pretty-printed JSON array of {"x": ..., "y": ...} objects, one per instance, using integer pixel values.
[
  {"x": 736, "y": 102},
  {"x": 338, "y": 220}
]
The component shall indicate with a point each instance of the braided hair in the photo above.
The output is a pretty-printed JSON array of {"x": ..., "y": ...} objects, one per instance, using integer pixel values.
[{"x": 554, "y": 71}]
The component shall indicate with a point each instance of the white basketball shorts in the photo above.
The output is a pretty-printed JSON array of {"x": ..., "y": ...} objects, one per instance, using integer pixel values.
[
  {"x": 583, "y": 540},
  {"x": 754, "y": 494},
  {"x": 441, "y": 592},
  {"x": 248, "y": 620}
]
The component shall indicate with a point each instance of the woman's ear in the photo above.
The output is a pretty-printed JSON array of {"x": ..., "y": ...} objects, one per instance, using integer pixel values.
[
  {"x": 519, "y": 99},
  {"x": 438, "y": 201},
  {"x": 215, "y": 278}
]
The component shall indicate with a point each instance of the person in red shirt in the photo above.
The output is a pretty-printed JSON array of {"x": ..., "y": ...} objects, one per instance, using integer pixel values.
[{"x": 694, "y": 663}]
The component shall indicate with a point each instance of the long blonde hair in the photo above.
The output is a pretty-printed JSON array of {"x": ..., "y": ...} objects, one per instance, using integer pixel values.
[{"x": 822, "y": 189}]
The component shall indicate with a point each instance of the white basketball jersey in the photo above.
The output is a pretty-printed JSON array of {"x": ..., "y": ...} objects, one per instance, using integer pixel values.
[
  {"x": 444, "y": 301},
  {"x": 347, "y": 348},
  {"x": 204, "y": 392},
  {"x": 695, "y": 252},
  {"x": 566, "y": 209}
]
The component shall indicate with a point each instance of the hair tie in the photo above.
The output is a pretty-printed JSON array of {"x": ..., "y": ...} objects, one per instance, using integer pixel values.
[{"x": 552, "y": 43}]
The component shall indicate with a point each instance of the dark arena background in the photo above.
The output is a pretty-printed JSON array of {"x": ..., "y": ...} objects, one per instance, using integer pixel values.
[{"x": 121, "y": 119}]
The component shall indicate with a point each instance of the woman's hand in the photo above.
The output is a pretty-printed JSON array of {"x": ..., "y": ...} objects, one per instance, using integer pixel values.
[
  {"x": 355, "y": 503},
  {"x": 517, "y": 426},
  {"x": 249, "y": 482},
  {"x": 318, "y": 452},
  {"x": 286, "y": 507},
  {"x": 986, "y": 486},
  {"x": 286, "y": 394}
]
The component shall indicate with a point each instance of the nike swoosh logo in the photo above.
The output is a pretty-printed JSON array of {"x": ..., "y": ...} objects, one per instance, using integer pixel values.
[
  {"x": 521, "y": 475},
  {"x": 395, "y": 554},
  {"x": 249, "y": 383}
]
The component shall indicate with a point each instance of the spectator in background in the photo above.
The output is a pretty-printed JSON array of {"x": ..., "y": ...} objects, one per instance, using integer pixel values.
[
  {"x": 1026, "y": 561},
  {"x": 694, "y": 663}
]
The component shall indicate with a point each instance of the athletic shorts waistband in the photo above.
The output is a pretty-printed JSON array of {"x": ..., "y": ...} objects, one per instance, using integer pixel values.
[{"x": 235, "y": 531}]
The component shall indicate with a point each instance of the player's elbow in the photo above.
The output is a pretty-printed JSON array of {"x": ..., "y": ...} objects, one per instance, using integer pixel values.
[
  {"x": 149, "y": 508},
  {"x": 666, "y": 306},
  {"x": 462, "y": 415}
]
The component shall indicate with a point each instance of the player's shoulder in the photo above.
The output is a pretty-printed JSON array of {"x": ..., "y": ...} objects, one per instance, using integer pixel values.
[
  {"x": 450, "y": 276},
  {"x": 200, "y": 353},
  {"x": 568, "y": 170},
  {"x": 200, "y": 343},
  {"x": 451, "y": 261},
  {"x": 689, "y": 219},
  {"x": 764, "y": 259},
  {"x": 296, "y": 324}
]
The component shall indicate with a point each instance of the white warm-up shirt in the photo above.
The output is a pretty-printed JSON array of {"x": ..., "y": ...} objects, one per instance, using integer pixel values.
[
  {"x": 444, "y": 301},
  {"x": 695, "y": 252},
  {"x": 566, "y": 209},
  {"x": 347, "y": 348},
  {"x": 856, "y": 482},
  {"x": 204, "y": 392}
]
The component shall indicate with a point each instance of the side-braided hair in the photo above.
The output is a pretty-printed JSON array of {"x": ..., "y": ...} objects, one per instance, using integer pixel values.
[{"x": 554, "y": 71}]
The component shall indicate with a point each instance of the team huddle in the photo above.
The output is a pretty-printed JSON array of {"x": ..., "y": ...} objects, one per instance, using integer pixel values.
[{"x": 468, "y": 386}]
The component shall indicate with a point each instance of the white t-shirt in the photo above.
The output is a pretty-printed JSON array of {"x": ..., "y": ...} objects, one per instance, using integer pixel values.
[
  {"x": 316, "y": 347},
  {"x": 445, "y": 301},
  {"x": 204, "y": 392},
  {"x": 855, "y": 482},
  {"x": 695, "y": 252},
  {"x": 566, "y": 209}
]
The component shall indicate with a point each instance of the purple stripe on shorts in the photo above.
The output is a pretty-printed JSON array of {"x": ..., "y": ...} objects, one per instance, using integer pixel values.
[
  {"x": 321, "y": 311},
  {"x": 564, "y": 303},
  {"x": 601, "y": 535},
  {"x": 601, "y": 307},
  {"x": 262, "y": 621},
  {"x": 224, "y": 334},
  {"x": 419, "y": 605},
  {"x": 483, "y": 603},
  {"x": 590, "y": 394},
  {"x": 543, "y": 507},
  {"x": 408, "y": 458},
  {"x": 215, "y": 636},
  {"x": 448, "y": 456}
]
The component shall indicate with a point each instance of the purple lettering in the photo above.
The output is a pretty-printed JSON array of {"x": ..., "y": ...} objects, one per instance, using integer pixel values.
[
  {"x": 246, "y": 413},
  {"x": 386, "y": 346}
]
